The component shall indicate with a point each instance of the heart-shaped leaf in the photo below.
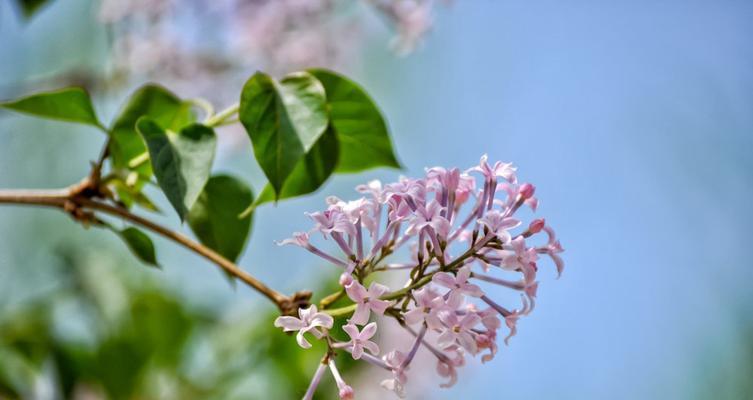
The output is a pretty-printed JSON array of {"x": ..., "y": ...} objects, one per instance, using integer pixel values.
[
  {"x": 359, "y": 125},
  {"x": 69, "y": 104},
  {"x": 310, "y": 172},
  {"x": 283, "y": 120},
  {"x": 214, "y": 217},
  {"x": 155, "y": 102},
  {"x": 181, "y": 160}
]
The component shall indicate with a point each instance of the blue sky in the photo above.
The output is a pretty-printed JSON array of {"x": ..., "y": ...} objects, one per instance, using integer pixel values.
[{"x": 633, "y": 119}]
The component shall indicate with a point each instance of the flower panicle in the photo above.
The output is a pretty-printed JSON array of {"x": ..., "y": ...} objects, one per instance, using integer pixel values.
[{"x": 463, "y": 236}]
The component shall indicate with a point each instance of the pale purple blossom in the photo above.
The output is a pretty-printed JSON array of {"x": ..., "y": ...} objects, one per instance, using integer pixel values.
[
  {"x": 499, "y": 225},
  {"x": 518, "y": 257},
  {"x": 499, "y": 169},
  {"x": 447, "y": 370},
  {"x": 395, "y": 360},
  {"x": 458, "y": 330},
  {"x": 310, "y": 321},
  {"x": 458, "y": 284},
  {"x": 333, "y": 220},
  {"x": 427, "y": 301},
  {"x": 360, "y": 340},
  {"x": 430, "y": 216},
  {"x": 366, "y": 300}
]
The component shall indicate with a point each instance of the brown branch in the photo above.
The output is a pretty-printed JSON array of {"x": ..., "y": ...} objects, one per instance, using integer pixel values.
[{"x": 65, "y": 198}]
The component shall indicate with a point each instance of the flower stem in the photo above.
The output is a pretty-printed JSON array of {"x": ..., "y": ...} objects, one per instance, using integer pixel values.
[{"x": 222, "y": 116}]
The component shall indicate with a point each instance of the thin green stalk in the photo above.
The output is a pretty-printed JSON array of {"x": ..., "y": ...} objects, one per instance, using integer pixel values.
[{"x": 223, "y": 115}]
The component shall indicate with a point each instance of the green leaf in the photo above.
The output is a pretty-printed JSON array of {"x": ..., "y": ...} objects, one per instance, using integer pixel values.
[
  {"x": 310, "y": 172},
  {"x": 31, "y": 7},
  {"x": 129, "y": 195},
  {"x": 283, "y": 120},
  {"x": 181, "y": 161},
  {"x": 155, "y": 102},
  {"x": 361, "y": 129},
  {"x": 70, "y": 104},
  {"x": 140, "y": 244},
  {"x": 214, "y": 218}
]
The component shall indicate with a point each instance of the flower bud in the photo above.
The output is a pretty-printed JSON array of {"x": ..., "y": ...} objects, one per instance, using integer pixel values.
[
  {"x": 345, "y": 279},
  {"x": 536, "y": 225},
  {"x": 347, "y": 393},
  {"x": 526, "y": 191}
]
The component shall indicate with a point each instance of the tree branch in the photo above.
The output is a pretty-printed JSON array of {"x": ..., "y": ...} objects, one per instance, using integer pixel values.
[{"x": 64, "y": 199}]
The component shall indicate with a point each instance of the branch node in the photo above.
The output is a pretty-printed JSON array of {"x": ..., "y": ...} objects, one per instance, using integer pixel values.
[
  {"x": 77, "y": 212},
  {"x": 290, "y": 305}
]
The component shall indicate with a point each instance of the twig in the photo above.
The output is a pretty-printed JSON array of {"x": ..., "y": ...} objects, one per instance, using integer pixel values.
[{"x": 64, "y": 198}]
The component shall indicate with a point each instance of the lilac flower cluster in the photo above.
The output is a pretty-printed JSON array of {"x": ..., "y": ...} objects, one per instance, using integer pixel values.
[
  {"x": 441, "y": 305},
  {"x": 158, "y": 39}
]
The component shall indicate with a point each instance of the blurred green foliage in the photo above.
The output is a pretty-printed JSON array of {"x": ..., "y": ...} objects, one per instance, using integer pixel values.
[
  {"x": 726, "y": 372},
  {"x": 103, "y": 334}
]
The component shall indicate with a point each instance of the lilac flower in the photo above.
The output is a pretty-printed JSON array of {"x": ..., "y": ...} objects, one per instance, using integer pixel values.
[
  {"x": 447, "y": 370},
  {"x": 411, "y": 191},
  {"x": 487, "y": 340},
  {"x": 427, "y": 301},
  {"x": 489, "y": 318},
  {"x": 395, "y": 360},
  {"x": 310, "y": 321},
  {"x": 519, "y": 257},
  {"x": 301, "y": 239},
  {"x": 458, "y": 284},
  {"x": 374, "y": 188},
  {"x": 466, "y": 188},
  {"x": 360, "y": 340},
  {"x": 511, "y": 321},
  {"x": 458, "y": 330},
  {"x": 553, "y": 248},
  {"x": 332, "y": 220},
  {"x": 366, "y": 300},
  {"x": 499, "y": 225},
  {"x": 430, "y": 217},
  {"x": 499, "y": 169}
]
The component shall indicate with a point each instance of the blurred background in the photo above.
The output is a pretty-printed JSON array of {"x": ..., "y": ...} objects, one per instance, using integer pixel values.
[{"x": 634, "y": 119}]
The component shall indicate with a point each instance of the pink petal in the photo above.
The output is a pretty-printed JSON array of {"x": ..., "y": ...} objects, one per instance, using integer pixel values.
[
  {"x": 463, "y": 274},
  {"x": 302, "y": 340},
  {"x": 368, "y": 331},
  {"x": 445, "y": 339},
  {"x": 361, "y": 316},
  {"x": 469, "y": 321},
  {"x": 468, "y": 343},
  {"x": 351, "y": 330},
  {"x": 379, "y": 306},
  {"x": 356, "y": 291},
  {"x": 444, "y": 279},
  {"x": 471, "y": 290},
  {"x": 372, "y": 347},
  {"x": 289, "y": 323},
  {"x": 323, "y": 320},
  {"x": 376, "y": 290},
  {"x": 414, "y": 316},
  {"x": 433, "y": 322},
  {"x": 357, "y": 351},
  {"x": 558, "y": 263}
]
